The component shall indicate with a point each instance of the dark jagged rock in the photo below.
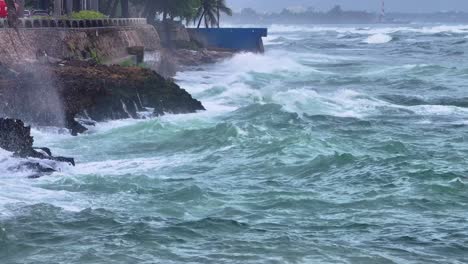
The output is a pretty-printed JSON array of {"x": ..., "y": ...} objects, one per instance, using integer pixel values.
[
  {"x": 55, "y": 94},
  {"x": 15, "y": 137},
  {"x": 38, "y": 169}
]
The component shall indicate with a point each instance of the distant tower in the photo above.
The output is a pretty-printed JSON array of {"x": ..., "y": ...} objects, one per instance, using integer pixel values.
[{"x": 382, "y": 13}]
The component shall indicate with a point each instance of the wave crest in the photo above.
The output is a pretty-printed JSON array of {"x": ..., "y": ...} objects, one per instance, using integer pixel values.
[{"x": 378, "y": 39}]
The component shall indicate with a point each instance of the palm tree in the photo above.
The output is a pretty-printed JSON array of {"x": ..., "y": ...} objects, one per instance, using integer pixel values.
[
  {"x": 110, "y": 8},
  {"x": 168, "y": 9},
  {"x": 210, "y": 12},
  {"x": 76, "y": 5},
  {"x": 222, "y": 6},
  {"x": 125, "y": 8},
  {"x": 12, "y": 15}
]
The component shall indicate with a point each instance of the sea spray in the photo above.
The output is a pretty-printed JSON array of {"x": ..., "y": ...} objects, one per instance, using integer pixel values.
[
  {"x": 33, "y": 94},
  {"x": 48, "y": 101}
]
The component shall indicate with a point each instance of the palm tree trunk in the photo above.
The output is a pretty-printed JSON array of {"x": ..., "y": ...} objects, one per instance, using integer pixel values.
[
  {"x": 65, "y": 7},
  {"x": 125, "y": 9},
  {"x": 201, "y": 19},
  {"x": 20, "y": 10},
  {"x": 218, "y": 14},
  {"x": 164, "y": 14},
  {"x": 76, "y": 5},
  {"x": 12, "y": 15},
  {"x": 107, "y": 8},
  {"x": 113, "y": 12},
  {"x": 150, "y": 9}
]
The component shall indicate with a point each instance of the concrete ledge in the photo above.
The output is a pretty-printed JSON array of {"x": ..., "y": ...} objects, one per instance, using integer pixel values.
[{"x": 74, "y": 23}]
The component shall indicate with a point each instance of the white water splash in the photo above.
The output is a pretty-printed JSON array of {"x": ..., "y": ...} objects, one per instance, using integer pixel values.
[{"x": 378, "y": 39}]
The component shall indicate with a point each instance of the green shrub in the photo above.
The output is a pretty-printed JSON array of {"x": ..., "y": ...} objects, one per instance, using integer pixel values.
[
  {"x": 95, "y": 57},
  {"x": 127, "y": 63},
  {"x": 41, "y": 17},
  {"x": 87, "y": 14}
]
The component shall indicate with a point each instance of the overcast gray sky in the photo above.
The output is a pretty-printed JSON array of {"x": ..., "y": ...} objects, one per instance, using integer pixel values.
[{"x": 370, "y": 5}]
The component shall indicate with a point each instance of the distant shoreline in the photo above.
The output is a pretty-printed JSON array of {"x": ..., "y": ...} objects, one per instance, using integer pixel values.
[{"x": 339, "y": 16}]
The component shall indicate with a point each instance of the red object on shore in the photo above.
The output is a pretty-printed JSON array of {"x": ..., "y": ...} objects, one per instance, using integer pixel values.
[{"x": 3, "y": 9}]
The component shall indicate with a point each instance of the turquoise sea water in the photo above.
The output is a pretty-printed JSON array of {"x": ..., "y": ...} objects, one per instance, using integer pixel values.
[{"x": 342, "y": 144}]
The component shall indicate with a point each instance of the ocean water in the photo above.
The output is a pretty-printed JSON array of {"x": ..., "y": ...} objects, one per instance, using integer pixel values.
[{"x": 341, "y": 144}]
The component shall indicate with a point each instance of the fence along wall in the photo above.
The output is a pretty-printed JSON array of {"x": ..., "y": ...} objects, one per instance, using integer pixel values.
[{"x": 74, "y": 23}]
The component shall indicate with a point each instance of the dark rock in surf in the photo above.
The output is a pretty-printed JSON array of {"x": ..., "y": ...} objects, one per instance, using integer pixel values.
[{"x": 15, "y": 137}]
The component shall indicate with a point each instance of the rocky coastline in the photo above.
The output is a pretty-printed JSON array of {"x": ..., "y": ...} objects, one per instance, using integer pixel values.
[
  {"x": 60, "y": 93},
  {"x": 58, "y": 88},
  {"x": 76, "y": 94}
]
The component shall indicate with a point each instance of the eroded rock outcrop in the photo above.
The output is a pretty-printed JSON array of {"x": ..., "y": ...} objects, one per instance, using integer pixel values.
[{"x": 55, "y": 94}]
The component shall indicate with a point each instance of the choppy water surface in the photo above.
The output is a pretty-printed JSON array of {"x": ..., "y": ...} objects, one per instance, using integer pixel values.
[{"x": 339, "y": 145}]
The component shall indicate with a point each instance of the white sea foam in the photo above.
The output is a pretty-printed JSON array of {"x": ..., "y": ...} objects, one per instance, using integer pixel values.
[
  {"x": 378, "y": 39},
  {"x": 458, "y": 29},
  {"x": 273, "y": 40},
  {"x": 439, "y": 110},
  {"x": 111, "y": 168},
  {"x": 343, "y": 103},
  {"x": 18, "y": 189},
  {"x": 273, "y": 62},
  {"x": 227, "y": 85},
  {"x": 236, "y": 75},
  {"x": 11, "y": 166},
  {"x": 350, "y": 103}
]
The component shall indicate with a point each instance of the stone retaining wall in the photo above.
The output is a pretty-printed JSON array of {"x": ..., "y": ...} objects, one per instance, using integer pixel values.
[
  {"x": 172, "y": 34},
  {"x": 102, "y": 43}
]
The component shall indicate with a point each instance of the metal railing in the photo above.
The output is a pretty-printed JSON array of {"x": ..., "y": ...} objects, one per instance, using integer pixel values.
[{"x": 74, "y": 23}]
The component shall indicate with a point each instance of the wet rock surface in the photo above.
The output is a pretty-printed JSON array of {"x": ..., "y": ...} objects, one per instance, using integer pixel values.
[{"x": 56, "y": 94}]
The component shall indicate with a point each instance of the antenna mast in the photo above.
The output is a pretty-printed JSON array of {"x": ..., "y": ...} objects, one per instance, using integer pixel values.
[{"x": 382, "y": 14}]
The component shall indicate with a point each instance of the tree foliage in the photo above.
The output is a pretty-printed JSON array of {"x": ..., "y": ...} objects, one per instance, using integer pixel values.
[
  {"x": 210, "y": 10},
  {"x": 87, "y": 14},
  {"x": 195, "y": 11},
  {"x": 183, "y": 10},
  {"x": 168, "y": 9}
]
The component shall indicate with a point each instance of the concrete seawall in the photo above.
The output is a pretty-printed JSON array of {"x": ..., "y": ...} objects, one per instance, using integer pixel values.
[
  {"x": 104, "y": 43},
  {"x": 230, "y": 39}
]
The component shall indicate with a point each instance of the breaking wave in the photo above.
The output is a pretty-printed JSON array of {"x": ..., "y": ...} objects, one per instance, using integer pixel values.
[
  {"x": 378, "y": 39},
  {"x": 456, "y": 29}
]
